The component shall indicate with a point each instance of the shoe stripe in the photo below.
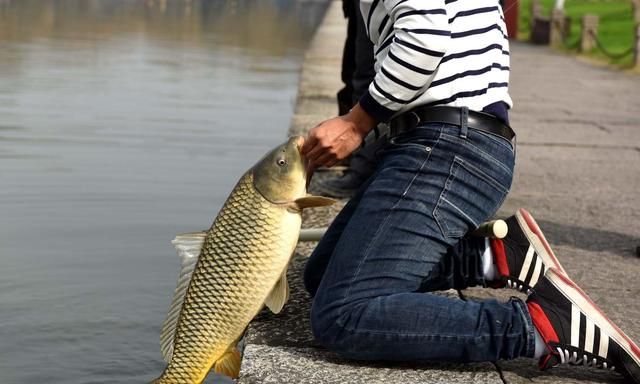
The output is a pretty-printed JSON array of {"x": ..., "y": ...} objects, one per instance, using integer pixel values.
[
  {"x": 583, "y": 327},
  {"x": 527, "y": 263},
  {"x": 534, "y": 234},
  {"x": 543, "y": 271},
  {"x": 532, "y": 266},
  {"x": 588, "y": 338},
  {"x": 609, "y": 330},
  {"x": 536, "y": 272},
  {"x": 604, "y": 345},
  {"x": 586, "y": 335},
  {"x": 596, "y": 340},
  {"x": 575, "y": 326}
]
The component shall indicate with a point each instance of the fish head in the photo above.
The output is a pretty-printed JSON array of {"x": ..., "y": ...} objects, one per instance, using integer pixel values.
[{"x": 280, "y": 176}]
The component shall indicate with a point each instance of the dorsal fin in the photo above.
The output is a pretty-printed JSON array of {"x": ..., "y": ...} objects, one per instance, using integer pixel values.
[
  {"x": 279, "y": 294},
  {"x": 188, "y": 246}
]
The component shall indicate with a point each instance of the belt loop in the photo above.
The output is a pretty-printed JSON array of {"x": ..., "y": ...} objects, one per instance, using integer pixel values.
[{"x": 464, "y": 120}]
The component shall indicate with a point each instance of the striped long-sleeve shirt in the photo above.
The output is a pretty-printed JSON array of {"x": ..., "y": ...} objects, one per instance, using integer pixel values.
[{"x": 436, "y": 52}]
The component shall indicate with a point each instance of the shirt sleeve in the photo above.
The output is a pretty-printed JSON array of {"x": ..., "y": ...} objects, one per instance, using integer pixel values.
[{"x": 421, "y": 35}]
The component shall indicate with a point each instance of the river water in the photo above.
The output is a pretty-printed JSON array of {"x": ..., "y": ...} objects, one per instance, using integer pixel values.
[{"x": 123, "y": 123}]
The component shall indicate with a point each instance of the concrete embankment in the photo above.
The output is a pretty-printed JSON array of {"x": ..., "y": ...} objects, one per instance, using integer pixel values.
[{"x": 578, "y": 172}]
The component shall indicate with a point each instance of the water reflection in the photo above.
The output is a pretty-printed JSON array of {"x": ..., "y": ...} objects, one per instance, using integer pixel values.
[
  {"x": 272, "y": 26},
  {"x": 123, "y": 123}
]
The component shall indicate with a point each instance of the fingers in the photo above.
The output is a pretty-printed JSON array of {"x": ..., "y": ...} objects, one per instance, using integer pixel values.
[
  {"x": 312, "y": 149},
  {"x": 320, "y": 156},
  {"x": 313, "y": 154},
  {"x": 329, "y": 142},
  {"x": 309, "y": 143},
  {"x": 309, "y": 171},
  {"x": 327, "y": 159}
]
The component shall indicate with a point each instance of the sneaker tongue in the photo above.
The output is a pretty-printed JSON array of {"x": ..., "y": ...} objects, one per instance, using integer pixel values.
[
  {"x": 516, "y": 236},
  {"x": 549, "y": 360}
]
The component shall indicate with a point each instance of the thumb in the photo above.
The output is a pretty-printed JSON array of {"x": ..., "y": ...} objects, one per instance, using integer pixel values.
[
  {"x": 309, "y": 171},
  {"x": 308, "y": 143}
]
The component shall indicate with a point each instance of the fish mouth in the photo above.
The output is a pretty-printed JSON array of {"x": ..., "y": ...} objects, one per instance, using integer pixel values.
[{"x": 299, "y": 143}]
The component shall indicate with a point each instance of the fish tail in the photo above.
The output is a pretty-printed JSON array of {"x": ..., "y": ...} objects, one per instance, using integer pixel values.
[{"x": 229, "y": 363}]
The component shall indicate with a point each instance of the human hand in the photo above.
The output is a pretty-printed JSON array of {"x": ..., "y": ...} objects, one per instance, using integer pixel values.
[{"x": 335, "y": 139}]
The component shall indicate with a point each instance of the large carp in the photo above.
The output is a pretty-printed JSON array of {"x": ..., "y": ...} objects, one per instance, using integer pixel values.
[{"x": 240, "y": 264}]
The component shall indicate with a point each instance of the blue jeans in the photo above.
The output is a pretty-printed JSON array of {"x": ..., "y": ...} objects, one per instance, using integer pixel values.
[{"x": 401, "y": 237}]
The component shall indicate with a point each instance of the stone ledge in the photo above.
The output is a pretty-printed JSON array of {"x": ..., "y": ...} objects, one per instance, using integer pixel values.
[{"x": 312, "y": 366}]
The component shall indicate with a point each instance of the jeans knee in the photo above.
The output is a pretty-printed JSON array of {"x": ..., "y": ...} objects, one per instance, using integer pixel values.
[
  {"x": 332, "y": 327},
  {"x": 322, "y": 320},
  {"x": 328, "y": 324}
]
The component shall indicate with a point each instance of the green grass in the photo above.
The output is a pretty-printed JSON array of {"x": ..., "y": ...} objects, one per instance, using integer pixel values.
[{"x": 616, "y": 30}]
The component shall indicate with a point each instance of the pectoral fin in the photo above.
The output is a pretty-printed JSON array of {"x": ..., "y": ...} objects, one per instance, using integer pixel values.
[
  {"x": 229, "y": 363},
  {"x": 279, "y": 295},
  {"x": 310, "y": 201}
]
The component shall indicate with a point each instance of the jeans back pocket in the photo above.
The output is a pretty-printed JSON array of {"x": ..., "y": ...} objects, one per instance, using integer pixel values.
[{"x": 470, "y": 196}]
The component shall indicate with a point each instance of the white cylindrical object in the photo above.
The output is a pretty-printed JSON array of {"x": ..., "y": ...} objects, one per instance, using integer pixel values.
[{"x": 497, "y": 229}]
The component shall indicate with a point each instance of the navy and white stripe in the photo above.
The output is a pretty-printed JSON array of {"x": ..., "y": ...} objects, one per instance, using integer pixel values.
[{"x": 436, "y": 52}]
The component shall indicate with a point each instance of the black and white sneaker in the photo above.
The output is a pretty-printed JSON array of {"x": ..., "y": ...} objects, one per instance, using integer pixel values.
[
  {"x": 524, "y": 255},
  {"x": 576, "y": 331}
]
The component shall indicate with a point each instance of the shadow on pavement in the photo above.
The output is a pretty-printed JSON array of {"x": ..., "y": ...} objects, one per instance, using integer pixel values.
[{"x": 590, "y": 239}]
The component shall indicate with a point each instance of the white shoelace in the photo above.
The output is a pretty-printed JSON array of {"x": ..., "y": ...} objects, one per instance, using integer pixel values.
[{"x": 566, "y": 357}]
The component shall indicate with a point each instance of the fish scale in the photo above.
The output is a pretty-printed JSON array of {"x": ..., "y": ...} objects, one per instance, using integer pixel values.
[{"x": 244, "y": 254}]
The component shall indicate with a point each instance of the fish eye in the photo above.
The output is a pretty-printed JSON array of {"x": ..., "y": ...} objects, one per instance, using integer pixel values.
[{"x": 281, "y": 162}]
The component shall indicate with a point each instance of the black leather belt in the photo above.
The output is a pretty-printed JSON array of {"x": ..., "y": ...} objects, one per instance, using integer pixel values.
[{"x": 449, "y": 115}]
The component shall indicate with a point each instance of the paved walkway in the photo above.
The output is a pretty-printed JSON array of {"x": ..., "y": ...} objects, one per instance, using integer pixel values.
[{"x": 578, "y": 172}]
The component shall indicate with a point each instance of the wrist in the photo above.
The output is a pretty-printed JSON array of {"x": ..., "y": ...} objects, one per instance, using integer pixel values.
[{"x": 362, "y": 121}]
